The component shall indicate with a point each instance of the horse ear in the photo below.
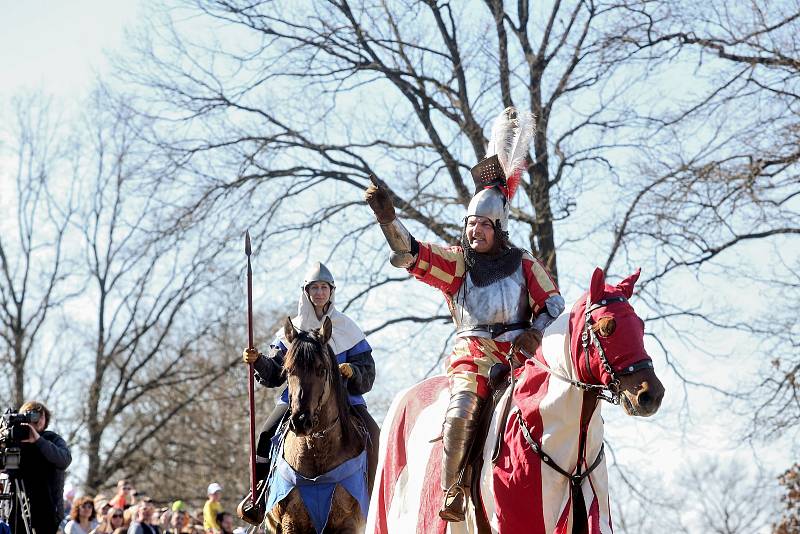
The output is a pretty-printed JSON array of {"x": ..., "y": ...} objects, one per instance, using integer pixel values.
[
  {"x": 326, "y": 330},
  {"x": 626, "y": 286},
  {"x": 598, "y": 285},
  {"x": 289, "y": 331}
]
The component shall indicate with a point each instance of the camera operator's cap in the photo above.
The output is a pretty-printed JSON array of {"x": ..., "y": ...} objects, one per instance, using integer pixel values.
[
  {"x": 179, "y": 506},
  {"x": 213, "y": 488}
]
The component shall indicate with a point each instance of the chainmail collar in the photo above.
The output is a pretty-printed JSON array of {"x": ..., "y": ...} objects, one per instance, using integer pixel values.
[{"x": 486, "y": 268}]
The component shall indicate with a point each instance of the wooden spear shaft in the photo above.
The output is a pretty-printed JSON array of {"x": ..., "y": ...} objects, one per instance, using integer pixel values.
[{"x": 250, "y": 378}]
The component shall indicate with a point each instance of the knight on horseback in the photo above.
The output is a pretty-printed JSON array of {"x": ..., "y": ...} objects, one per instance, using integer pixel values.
[
  {"x": 356, "y": 366},
  {"x": 501, "y": 298}
]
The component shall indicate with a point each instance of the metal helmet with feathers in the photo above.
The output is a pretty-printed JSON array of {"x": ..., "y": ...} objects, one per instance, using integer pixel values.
[{"x": 497, "y": 176}]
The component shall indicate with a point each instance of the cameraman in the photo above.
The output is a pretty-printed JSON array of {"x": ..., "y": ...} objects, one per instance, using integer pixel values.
[{"x": 44, "y": 459}]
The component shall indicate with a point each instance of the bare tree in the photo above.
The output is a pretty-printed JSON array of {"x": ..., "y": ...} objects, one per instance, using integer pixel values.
[
  {"x": 677, "y": 120},
  {"x": 208, "y": 440},
  {"x": 149, "y": 296},
  {"x": 292, "y": 106},
  {"x": 38, "y": 205},
  {"x": 718, "y": 201},
  {"x": 308, "y": 100},
  {"x": 708, "y": 495}
]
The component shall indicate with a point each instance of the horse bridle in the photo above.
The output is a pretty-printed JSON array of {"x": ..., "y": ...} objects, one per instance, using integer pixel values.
[
  {"x": 610, "y": 392},
  {"x": 321, "y": 434},
  {"x": 305, "y": 336},
  {"x": 590, "y": 337}
]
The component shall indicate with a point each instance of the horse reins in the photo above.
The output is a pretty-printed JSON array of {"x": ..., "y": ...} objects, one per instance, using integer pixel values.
[
  {"x": 610, "y": 392},
  {"x": 321, "y": 433}
]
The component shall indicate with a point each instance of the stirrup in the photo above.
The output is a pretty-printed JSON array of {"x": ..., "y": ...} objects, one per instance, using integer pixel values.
[
  {"x": 253, "y": 513},
  {"x": 454, "y": 505}
]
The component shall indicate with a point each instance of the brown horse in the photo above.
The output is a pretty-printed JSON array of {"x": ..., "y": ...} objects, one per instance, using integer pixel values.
[{"x": 322, "y": 437}]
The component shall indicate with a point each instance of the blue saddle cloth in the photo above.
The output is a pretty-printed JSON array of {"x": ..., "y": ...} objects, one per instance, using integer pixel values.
[{"x": 317, "y": 492}]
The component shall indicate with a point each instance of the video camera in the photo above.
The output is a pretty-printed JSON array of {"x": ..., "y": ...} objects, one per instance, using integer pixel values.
[{"x": 13, "y": 430}]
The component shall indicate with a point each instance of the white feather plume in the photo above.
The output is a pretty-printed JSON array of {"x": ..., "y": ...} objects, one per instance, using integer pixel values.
[{"x": 512, "y": 131}]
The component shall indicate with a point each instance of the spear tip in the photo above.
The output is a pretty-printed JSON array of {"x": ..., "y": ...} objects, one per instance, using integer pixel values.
[{"x": 247, "y": 249}]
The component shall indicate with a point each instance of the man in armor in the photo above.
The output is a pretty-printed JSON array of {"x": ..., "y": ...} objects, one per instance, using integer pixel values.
[{"x": 501, "y": 298}]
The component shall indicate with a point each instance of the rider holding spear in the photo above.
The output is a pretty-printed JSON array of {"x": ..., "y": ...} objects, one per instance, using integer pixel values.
[
  {"x": 501, "y": 298},
  {"x": 356, "y": 366}
]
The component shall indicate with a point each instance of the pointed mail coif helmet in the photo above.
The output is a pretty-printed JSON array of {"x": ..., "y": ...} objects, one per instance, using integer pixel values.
[
  {"x": 498, "y": 174},
  {"x": 318, "y": 273}
]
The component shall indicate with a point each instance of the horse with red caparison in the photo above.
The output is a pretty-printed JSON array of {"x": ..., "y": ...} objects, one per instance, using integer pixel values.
[{"x": 543, "y": 469}]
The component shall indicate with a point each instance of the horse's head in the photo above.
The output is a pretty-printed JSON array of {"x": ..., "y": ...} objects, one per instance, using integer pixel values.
[
  {"x": 312, "y": 375},
  {"x": 608, "y": 345}
]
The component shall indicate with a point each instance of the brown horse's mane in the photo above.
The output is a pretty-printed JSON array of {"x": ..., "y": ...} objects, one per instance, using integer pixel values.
[{"x": 301, "y": 358}]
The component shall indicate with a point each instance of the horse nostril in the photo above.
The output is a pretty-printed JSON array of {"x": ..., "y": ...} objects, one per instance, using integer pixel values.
[
  {"x": 644, "y": 399},
  {"x": 300, "y": 423}
]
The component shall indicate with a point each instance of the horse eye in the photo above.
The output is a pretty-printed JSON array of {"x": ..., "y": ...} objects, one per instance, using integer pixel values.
[{"x": 605, "y": 326}]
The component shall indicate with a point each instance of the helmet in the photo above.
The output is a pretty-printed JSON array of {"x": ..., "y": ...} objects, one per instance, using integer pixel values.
[
  {"x": 318, "y": 273},
  {"x": 492, "y": 204},
  {"x": 497, "y": 176}
]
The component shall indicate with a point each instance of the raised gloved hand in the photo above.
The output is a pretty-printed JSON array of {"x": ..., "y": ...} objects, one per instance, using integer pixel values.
[
  {"x": 378, "y": 199},
  {"x": 346, "y": 369},
  {"x": 250, "y": 355},
  {"x": 529, "y": 341}
]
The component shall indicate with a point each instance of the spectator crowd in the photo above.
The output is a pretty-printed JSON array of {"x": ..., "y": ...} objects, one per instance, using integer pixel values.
[{"x": 132, "y": 512}]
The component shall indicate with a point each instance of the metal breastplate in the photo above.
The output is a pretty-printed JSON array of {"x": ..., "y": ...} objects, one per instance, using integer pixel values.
[{"x": 502, "y": 302}]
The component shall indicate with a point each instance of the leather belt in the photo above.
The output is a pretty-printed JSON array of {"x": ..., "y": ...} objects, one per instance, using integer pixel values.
[{"x": 494, "y": 329}]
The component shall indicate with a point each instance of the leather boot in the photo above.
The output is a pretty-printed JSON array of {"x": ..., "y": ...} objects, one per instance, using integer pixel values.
[{"x": 460, "y": 423}]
